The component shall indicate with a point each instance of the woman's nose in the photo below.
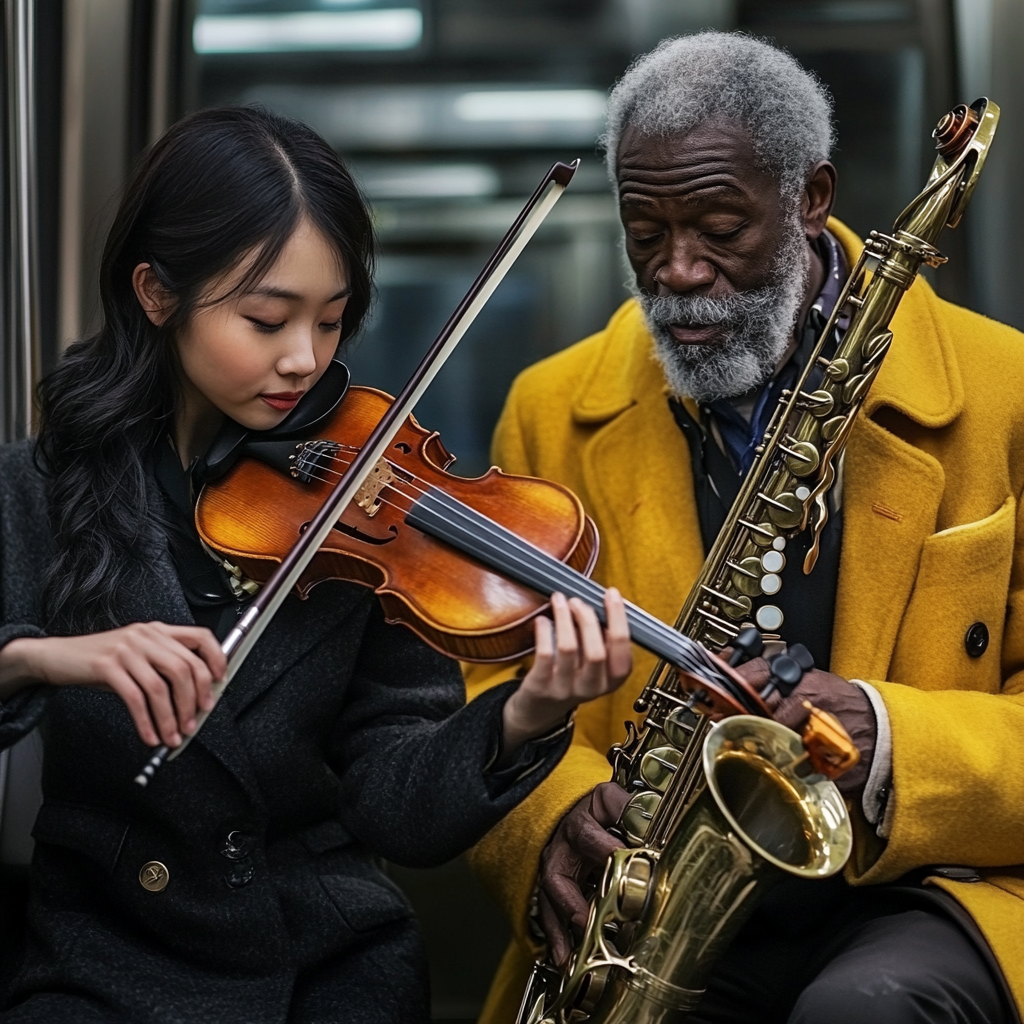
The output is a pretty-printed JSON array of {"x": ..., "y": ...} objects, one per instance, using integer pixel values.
[{"x": 299, "y": 359}]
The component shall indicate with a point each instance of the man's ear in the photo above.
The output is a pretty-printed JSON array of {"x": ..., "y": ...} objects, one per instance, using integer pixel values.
[
  {"x": 153, "y": 297},
  {"x": 819, "y": 197}
]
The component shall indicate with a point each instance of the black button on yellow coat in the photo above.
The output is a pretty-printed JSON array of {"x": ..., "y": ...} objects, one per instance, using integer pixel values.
[{"x": 976, "y": 640}]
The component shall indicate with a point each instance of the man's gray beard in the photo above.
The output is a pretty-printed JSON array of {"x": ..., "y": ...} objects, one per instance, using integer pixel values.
[{"x": 759, "y": 325}]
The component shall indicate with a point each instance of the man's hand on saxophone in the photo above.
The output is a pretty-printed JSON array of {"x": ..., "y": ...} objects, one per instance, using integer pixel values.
[
  {"x": 847, "y": 702},
  {"x": 582, "y": 843}
]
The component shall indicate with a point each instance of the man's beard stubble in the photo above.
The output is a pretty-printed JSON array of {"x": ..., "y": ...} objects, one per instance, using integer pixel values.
[{"x": 759, "y": 327}]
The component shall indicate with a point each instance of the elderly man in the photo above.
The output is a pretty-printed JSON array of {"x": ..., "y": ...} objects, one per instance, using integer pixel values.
[{"x": 718, "y": 146}]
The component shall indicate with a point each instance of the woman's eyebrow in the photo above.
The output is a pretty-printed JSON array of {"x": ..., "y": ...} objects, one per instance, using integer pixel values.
[{"x": 283, "y": 293}]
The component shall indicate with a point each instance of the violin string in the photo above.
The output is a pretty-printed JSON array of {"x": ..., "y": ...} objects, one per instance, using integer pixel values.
[
  {"x": 519, "y": 552},
  {"x": 556, "y": 575}
]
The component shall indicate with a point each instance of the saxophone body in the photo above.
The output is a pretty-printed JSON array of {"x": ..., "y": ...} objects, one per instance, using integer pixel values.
[{"x": 720, "y": 812}]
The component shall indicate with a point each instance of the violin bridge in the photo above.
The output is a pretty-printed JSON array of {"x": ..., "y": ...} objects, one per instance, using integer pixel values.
[{"x": 368, "y": 495}]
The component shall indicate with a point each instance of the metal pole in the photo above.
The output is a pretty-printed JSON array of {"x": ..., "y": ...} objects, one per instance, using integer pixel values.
[{"x": 22, "y": 361}]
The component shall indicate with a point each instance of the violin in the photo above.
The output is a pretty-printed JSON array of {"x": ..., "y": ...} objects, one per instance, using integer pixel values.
[
  {"x": 467, "y": 564},
  {"x": 254, "y": 515}
]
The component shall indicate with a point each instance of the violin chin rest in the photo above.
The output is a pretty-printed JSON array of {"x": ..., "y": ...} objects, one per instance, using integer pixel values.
[{"x": 233, "y": 440}]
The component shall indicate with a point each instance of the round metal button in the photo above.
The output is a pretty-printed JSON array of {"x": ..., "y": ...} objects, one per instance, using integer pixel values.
[
  {"x": 154, "y": 876},
  {"x": 976, "y": 640}
]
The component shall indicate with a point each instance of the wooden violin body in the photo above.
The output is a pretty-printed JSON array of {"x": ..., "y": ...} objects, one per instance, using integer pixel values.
[{"x": 256, "y": 513}]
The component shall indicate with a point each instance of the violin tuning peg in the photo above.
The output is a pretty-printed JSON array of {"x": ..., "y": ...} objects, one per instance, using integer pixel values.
[
  {"x": 786, "y": 674},
  {"x": 746, "y": 645},
  {"x": 801, "y": 656}
]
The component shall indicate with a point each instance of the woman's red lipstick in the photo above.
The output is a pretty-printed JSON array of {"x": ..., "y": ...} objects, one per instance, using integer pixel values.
[{"x": 282, "y": 400}]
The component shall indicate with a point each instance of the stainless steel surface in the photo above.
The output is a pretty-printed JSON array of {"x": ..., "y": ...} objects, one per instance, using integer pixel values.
[{"x": 21, "y": 367}]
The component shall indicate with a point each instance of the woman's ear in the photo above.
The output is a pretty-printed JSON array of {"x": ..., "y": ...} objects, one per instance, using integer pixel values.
[{"x": 153, "y": 297}]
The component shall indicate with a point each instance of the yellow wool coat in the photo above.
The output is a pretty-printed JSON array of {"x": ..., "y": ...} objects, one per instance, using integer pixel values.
[{"x": 933, "y": 542}]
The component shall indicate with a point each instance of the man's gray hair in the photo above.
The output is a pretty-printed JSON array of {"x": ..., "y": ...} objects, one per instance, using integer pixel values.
[{"x": 690, "y": 80}]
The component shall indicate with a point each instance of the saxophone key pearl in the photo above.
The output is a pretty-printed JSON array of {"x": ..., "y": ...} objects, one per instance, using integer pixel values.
[{"x": 769, "y": 617}]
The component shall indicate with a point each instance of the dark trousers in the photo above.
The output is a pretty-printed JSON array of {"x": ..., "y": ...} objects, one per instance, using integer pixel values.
[{"x": 853, "y": 957}]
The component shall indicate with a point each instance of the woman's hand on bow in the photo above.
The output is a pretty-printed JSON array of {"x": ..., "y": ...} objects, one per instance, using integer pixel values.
[{"x": 163, "y": 673}]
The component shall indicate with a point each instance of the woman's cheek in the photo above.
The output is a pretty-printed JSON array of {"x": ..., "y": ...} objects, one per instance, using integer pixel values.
[{"x": 242, "y": 369}]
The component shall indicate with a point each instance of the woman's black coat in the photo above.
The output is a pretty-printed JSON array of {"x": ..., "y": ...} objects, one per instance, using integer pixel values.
[{"x": 341, "y": 740}]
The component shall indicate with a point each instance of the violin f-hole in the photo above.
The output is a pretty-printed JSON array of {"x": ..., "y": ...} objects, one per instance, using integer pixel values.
[{"x": 357, "y": 534}]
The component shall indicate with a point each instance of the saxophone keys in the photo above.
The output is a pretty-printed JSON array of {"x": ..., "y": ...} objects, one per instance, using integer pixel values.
[
  {"x": 830, "y": 428},
  {"x": 769, "y": 617},
  {"x": 659, "y": 765},
  {"x": 855, "y": 387},
  {"x": 738, "y": 609},
  {"x": 838, "y": 369},
  {"x": 634, "y": 885},
  {"x": 773, "y": 561},
  {"x": 802, "y": 458},
  {"x": 876, "y": 346},
  {"x": 679, "y": 726},
  {"x": 746, "y": 575},
  {"x": 636, "y": 818},
  {"x": 764, "y": 535},
  {"x": 786, "y": 511},
  {"x": 819, "y": 403}
]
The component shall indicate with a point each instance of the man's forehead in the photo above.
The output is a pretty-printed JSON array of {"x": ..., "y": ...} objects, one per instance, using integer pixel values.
[{"x": 717, "y": 156}]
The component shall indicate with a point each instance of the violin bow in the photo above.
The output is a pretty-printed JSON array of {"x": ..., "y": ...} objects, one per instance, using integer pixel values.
[{"x": 240, "y": 641}]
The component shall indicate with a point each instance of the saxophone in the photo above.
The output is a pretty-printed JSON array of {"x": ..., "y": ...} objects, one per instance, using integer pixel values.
[{"x": 720, "y": 812}]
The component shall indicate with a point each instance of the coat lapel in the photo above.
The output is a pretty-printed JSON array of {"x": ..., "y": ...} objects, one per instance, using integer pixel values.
[
  {"x": 891, "y": 488},
  {"x": 297, "y": 628}
]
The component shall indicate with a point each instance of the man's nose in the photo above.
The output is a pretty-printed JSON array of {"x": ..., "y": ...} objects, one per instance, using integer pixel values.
[{"x": 684, "y": 271}]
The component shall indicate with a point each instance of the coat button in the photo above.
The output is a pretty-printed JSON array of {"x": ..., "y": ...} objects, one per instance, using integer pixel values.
[
  {"x": 240, "y": 875},
  {"x": 236, "y": 846},
  {"x": 976, "y": 640},
  {"x": 154, "y": 876}
]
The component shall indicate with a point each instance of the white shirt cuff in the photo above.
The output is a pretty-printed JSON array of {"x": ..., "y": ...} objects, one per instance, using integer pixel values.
[{"x": 877, "y": 802}]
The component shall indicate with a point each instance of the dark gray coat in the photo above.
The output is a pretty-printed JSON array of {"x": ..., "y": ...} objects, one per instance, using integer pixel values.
[{"x": 342, "y": 739}]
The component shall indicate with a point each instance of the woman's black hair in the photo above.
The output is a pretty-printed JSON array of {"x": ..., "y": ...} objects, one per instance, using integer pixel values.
[{"x": 218, "y": 184}]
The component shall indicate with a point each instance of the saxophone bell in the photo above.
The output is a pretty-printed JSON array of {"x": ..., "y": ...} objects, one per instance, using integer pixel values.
[{"x": 662, "y": 918}]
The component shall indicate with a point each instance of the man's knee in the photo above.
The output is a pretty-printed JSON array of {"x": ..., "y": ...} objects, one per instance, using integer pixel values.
[
  {"x": 909, "y": 968},
  {"x": 882, "y": 997}
]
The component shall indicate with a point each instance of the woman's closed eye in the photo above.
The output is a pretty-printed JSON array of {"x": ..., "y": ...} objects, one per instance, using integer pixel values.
[
  {"x": 263, "y": 327},
  {"x": 330, "y": 328}
]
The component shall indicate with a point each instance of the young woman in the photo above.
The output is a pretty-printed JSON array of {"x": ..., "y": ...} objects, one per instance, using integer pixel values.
[{"x": 244, "y": 884}]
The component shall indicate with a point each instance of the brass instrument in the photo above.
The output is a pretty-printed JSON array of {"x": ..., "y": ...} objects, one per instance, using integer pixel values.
[{"x": 719, "y": 812}]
